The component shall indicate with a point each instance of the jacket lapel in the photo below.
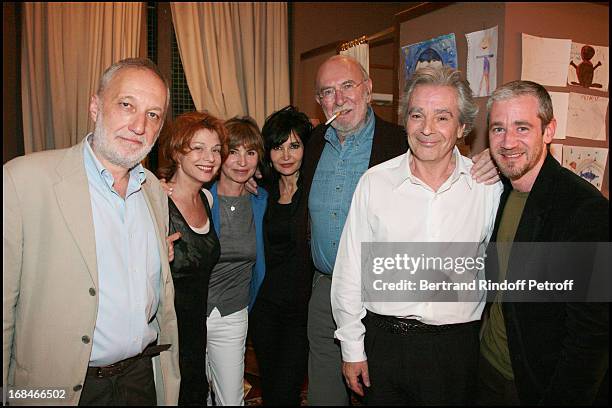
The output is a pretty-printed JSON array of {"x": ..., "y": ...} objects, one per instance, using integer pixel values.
[
  {"x": 538, "y": 203},
  {"x": 159, "y": 222},
  {"x": 74, "y": 201}
]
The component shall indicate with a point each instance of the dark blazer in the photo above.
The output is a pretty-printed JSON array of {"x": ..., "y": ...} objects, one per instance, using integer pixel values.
[
  {"x": 389, "y": 141},
  {"x": 559, "y": 351}
]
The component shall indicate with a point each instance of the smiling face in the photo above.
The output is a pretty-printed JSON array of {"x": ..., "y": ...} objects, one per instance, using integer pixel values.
[
  {"x": 203, "y": 160},
  {"x": 518, "y": 143},
  {"x": 432, "y": 123},
  {"x": 336, "y": 73},
  {"x": 287, "y": 157},
  {"x": 129, "y": 116},
  {"x": 240, "y": 164}
]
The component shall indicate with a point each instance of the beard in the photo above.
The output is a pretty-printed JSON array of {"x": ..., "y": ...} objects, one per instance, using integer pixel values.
[
  {"x": 104, "y": 146},
  {"x": 516, "y": 170}
]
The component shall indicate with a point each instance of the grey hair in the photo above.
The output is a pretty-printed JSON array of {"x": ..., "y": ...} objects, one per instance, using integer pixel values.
[
  {"x": 442, "y": 76},
  {"x": 519, "y": 88},
  {"x": 364, "y": 73},
  {"x": 137, "y": 63}
]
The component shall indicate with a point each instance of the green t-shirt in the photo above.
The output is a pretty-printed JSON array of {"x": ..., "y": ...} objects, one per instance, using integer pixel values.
[{"x": 494, "y": 343}]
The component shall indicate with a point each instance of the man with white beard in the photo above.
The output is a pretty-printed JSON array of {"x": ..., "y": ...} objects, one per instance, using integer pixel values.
[{"x": 87, "y": 295}]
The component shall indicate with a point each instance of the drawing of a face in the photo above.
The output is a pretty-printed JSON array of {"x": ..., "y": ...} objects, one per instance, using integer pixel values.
[
  {"x": 429, "y": 58},
  {"x": 587, "y": 52},
  {"x": 484, "y": 44}
]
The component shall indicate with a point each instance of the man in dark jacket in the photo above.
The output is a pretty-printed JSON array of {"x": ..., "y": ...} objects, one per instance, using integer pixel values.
[{"x": 548, "y": 353}]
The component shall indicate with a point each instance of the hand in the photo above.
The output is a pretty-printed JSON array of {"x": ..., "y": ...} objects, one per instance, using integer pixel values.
[
  {"x": 484, "y": 169},
  {"x": 251, "y": 185},
  {"x": 170, "y": 240},
  {"x": 352, "y": 371},
  {"x": 164, "y": 184}
]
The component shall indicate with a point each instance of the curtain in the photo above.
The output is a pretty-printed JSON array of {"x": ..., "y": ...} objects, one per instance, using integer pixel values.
[
  {"x": 235, "y": 56},
  {"x": 358, "y": 49},
  {"x": 65, "y": 49}
]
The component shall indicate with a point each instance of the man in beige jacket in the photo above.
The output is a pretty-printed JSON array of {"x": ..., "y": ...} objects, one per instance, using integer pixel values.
[{"x": 88, "y": 299}]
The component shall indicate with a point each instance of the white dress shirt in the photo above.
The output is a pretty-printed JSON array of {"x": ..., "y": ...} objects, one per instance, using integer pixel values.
[{"x": 390, "y": 204}]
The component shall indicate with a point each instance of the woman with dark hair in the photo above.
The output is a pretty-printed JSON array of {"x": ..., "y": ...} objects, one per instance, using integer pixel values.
[
  {"x": 194, "y": 148},
  {"x": 235, "y": 280},
  {"x": 279, "y": 316}
]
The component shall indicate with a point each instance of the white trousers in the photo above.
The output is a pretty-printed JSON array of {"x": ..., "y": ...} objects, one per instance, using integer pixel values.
[{"x": 225, "y": 347}]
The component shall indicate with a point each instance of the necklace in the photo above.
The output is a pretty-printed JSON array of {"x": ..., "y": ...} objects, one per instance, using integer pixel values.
[{"x": 231, "y": 205}]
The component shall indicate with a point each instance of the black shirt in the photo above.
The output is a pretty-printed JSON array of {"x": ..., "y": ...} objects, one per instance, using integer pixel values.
[
  {"x": 282, "y": 281},
  {"x": 195, "y": 255}
]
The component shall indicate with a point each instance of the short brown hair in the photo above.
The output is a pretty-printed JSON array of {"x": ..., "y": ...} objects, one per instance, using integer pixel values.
[
  {"x": 243, "y": 131},
  {"x": 515, "y": 89},
  {"x": 176, "y": 138}
]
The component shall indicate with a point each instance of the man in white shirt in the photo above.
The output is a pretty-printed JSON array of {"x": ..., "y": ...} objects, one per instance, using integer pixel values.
[{"x": 416, "y": 352}]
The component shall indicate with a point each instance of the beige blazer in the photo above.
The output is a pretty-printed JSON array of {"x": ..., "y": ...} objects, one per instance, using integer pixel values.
[{"x": 50, "y": 276}]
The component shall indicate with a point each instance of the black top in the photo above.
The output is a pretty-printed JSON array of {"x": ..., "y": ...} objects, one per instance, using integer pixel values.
[
  {"x": 195, "y": 255},
  {"x": 282, "y": 280}
]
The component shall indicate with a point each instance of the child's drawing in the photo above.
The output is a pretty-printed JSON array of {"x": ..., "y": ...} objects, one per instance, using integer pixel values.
[
  {"x": 435, "y": 52},
  {"x": 588, "y": 66},
  {"x": 587, "y": 162},
  {"x": 482, "y": 61}
]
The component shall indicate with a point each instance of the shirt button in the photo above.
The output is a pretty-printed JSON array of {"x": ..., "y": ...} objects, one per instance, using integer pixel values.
[
  {"x": 337, "y": 188},
  {"x": 92, "y": 291},
  {"x": 333, "y": 244},
  {"x": 85, "y": 339},
  {"x": 77, "y": 387}
]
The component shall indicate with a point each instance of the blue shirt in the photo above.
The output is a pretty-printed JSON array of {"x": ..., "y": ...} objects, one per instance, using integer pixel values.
[
  {"x": 128, "y": 263},
  {"x": 338, "y": 172}
]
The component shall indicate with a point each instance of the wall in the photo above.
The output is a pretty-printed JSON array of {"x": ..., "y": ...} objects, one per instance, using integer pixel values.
[
  {"x": 585, "y": 23},
  {"x": 317, "y": 24},
  {"x": 12, "y": 128},
  {"x": 460, "y": 18},
  {"x": 580, "y": 22}
]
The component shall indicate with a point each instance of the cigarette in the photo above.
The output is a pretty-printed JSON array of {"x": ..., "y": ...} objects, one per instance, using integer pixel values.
[{"x": 330, "y": 120}]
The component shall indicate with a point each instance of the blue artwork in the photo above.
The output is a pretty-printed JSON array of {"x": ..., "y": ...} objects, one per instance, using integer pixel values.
[
  {"x": 588, "y": 175},
  {"x": 437, "y": 51}
]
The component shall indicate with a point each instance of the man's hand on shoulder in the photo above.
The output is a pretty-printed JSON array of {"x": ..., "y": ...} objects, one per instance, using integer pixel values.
[
  {"x": 251, "y": 185},
  {"x": 352, "y": 372},
  {"x": 170, "y": 240},
  {"x": 484, "y": 169}
]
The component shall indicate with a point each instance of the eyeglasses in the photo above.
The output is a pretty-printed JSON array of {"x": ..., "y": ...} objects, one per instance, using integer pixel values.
[{"x": 347, "y": 88}]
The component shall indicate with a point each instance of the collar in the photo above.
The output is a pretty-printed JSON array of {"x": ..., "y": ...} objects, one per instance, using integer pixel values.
[
  {"x": 403, "y": 173},
  {"x": 362, "y": 134},
  {"x": 137, "y": 172}
]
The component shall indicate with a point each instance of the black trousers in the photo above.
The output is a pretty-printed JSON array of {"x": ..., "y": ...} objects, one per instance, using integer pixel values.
[
  {"x": 190, "y": 309},
  {"x": 493, "y": 388},
  {"x": 422, "y": 368},
  {"x": 134, "y": 386},
  {"x": 281, "y": 347}
]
